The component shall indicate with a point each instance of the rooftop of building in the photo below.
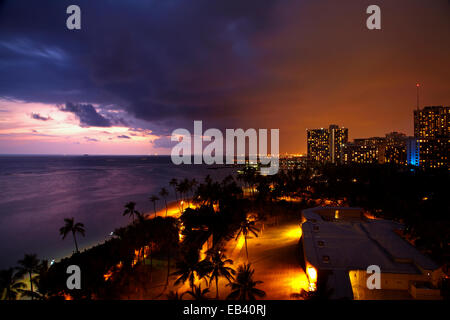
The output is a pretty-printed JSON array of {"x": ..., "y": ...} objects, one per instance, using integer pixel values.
[{"x": 338, "y": 238}]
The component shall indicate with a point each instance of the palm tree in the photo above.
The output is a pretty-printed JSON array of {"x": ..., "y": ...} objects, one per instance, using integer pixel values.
[
  {"x": 163, "y": 194},
  {"x": 173, "y": 183},
  {"x": 188, "y": 269},
  {"x": 173, "y": 295},
  {"x": 130, "y": 210},
  {"x": 73, "y": 227},
  {"x": 247, "y": 227},
  {"x": 10, "y": 283},
  {"x": 154, "y": 199},
  {"x": 169, "y": 239},
  {"x": 182, "y": 189},
  {"x": 41, "y": 281},
  {"x": 243, "y": 287},
  {"x": 216, "y": 266},
  {"x": 197, "y": 293},
  {"x": 191, "y": 187},
  {"x": 28, "y": 266}
]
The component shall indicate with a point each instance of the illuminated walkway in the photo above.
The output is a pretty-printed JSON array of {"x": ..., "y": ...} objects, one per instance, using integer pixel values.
[{"x": 275, "y": 260}]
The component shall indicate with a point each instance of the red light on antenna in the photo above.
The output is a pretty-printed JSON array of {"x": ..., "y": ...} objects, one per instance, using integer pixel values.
[{"x": 418, "y": 85}]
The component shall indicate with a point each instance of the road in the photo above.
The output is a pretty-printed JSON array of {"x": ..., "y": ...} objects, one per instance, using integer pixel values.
[{"x": 275, "y": 260}]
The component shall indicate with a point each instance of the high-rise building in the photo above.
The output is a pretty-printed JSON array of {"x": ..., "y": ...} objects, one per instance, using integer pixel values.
[
  {"x": 412, "y": 149},
  {"x": 318, "y": 145},
  {"x": 325, "y": 145},
  {"x": 431, "y": 143},
  {"x": 395, "y": 151},
  {"x": 364, "y": 151},
  {"x": 338, "y": 137},
  {"x": 432, "y": 122}
]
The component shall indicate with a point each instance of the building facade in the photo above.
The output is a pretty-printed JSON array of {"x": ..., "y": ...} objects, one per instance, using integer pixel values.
[
  {"x": 364, "y": 151},
  {"x": 325, "y": 145},
  {"x": 431, "y": 122},
  {"x": 318, "y": 145},
  {"x": 395, "y": 152},
  {"x": 430, "y": 148}
]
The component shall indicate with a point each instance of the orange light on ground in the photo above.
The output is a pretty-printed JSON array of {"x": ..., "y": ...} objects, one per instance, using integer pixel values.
[
  {"x": 136, "y": 258},
  {"x": 336, "y": 214},
  {"x": 240, "y": 242},
  {"x": 108, "y": 275},
  {"x": 312, "y": 277},
  {"x": 370, "y": 216},
  {"x": 67, "y": 296},
  {"x": 299, "y": 282},
  {"x": 112, "y": 270},
  {"x": 294, "y": 233}
]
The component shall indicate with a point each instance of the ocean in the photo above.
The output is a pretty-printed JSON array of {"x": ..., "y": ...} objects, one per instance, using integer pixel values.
[{"x": 38, "y": 192}]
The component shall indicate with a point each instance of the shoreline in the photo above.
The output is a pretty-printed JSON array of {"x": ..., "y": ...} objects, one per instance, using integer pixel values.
[{"x": 172, "y": 211}]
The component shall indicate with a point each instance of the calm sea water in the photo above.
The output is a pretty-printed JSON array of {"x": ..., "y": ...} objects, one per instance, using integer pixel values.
[{"x": 38, "y": 192}]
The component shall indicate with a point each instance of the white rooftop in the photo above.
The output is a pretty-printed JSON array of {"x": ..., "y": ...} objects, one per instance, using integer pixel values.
[{"x": 351, "y": 242}]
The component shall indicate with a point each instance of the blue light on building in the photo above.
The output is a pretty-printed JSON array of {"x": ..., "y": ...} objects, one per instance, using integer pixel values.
[{"x": 412, "y": 150}]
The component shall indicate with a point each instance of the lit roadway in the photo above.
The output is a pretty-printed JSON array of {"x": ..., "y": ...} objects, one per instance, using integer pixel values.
[
  {"x": 273, "y": 257},
  {"x": 275, "y": 260}
]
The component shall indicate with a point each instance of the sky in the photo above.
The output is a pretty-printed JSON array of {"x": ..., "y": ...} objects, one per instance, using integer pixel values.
[{"x": 137, "y": 70}]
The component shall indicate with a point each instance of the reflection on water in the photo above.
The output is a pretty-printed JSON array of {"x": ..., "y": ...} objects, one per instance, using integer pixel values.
[{"x": 37, "y": 192}]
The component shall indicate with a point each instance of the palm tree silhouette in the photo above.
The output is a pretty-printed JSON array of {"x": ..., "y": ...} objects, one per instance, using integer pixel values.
[
  {"x": 191, "y": 187},
  {"x": 183, "y": 188},
  {"x": 247, "y": 227},
  {"x": 42, "y": 280},
  {"x": 173, "y": 295},
  {"x": 154, "y": 199},
  {"x": 130, "y": 210},
  {"x": 173, "y": 183},
  {"x": 197, "y": 293},
  {"x": 71, "y": 226},
  {"x": 28, "y": 266},
  {"x": 163, "y": 194},
  {"x": 243, "y": 287},
  {"x": 169, "y": 238},
  {"x": 216, "y": 266},
  {"x": 188, "y": 269},
  {"x": 10, "y": 283}
]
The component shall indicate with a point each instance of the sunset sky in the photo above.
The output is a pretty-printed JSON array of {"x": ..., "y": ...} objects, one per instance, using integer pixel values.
[{"x": 139, "y": 69}]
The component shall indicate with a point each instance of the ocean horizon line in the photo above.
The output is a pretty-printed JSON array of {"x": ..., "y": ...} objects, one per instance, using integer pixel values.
[{"x": 83, "y": 154}]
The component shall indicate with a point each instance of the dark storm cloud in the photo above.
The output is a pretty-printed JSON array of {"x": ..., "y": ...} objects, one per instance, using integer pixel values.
[
  {"x": 166, "y": 62},
  {"x": 123, "y": 137},
  {"x": 164, "y": 142},
  {"x": 86, "y": 113},
  {"x": 37, "y": 116}
]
